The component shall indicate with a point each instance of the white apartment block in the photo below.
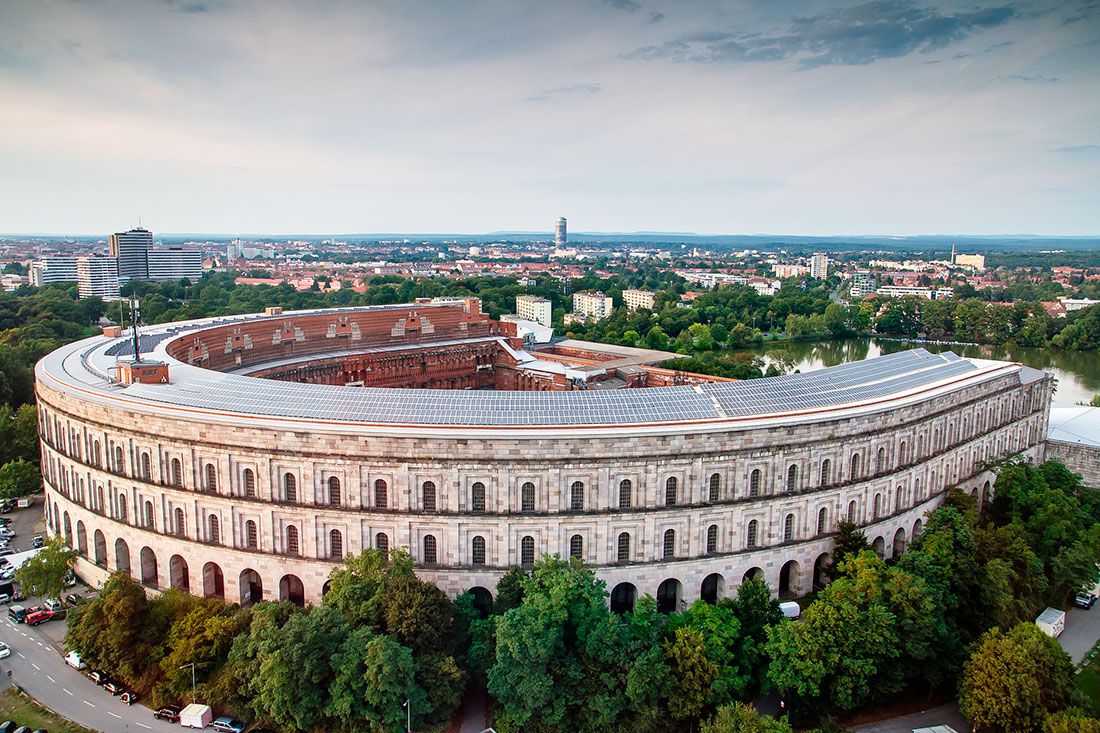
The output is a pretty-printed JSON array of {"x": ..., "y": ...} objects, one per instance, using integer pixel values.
[
  {"x": 592, "y": 305},
  {"x": 53, "y": 269},
  {"x": 819, "y": 266},
  {"x": 975, "y": 261},
  {"x": 97, "y": 276},
  {"x": 534, "y": 308},
  {"x": 636, "y": 299},
  {"x": 900, "y": 291}
]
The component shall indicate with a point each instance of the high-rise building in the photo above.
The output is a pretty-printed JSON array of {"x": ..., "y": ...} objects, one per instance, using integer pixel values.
[
  {"x": 863, "y": 283},
  {"x": 53, "y": 269},
  {"x": 131, "y": 249},
  {"x": 174, "y": 263},
  {"x": 97, "y": 275},
  {"x": 534, "y": 308},
  {"x": 819, "y": 266},
  {"x": 559, "y": 233},
  {"x": 592, "y": 305},
  {"x": 636, "y": 299}
]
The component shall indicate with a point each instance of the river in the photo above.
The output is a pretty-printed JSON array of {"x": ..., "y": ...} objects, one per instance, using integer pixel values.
[{"x": 1077, "y": 372}]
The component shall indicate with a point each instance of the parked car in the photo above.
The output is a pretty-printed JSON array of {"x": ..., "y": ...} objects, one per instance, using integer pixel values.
[
  {"x": 40, "y": 617},
  {"x": 169, "y": 712},
  {"x": 1084, "y": 600},
  {"x": 7, "y": 573},
  {"x": 5, "y": 598},
  {"x": 22, "y": 729},
  {"x": 4, "y": 650},
  {"x": 229, "y": 725},
  {"x": 129, "y": 697},
  {"x": 38, "y": 540},
  {"x": 73, "y": 660},
  {"x": 7, "y": 726},
  {"x": 5, "y": 551},
  {"x": 74, "y": 598},
  {"x": 113, "y": 688},
  {"x": 17, "y": 613},
  {"x": 54, "y": 604},
  {"x": 98, "y": 677}
]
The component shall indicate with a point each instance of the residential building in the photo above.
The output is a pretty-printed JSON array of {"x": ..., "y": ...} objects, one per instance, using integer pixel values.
[
  {"x": 131, "y": 249},
  {"x": 789, "y": 270},
  {"x": 900, "y": 291},
  {"x": 560, "y": 237},
  {"x": 534, "y": 308},
  {"x": 1076, "y": 304},
  {"x": 975, "y": 261},
  {"x": 97, "y": 275},
  {"x": 863, "y": 283},
  {"x": 765, "y": 285},
  {"x": 53, "y": 269},
  {"x": 173, "y": 263},
  {"x": 819, "y": 266},
  {"x": 636, "y": 299},
  {"x": 592, "y": 305}
]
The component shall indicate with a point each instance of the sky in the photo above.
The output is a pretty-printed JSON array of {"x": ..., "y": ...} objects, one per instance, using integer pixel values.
[{"x": 723, "y": 117}]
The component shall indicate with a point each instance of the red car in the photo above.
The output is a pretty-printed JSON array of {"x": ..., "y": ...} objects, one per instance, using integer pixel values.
[{"x": 39, "y": 617}]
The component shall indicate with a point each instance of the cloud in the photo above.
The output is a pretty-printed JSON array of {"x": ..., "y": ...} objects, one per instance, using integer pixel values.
[
  {"x": 963, "y": 56},
  {"x": 995, "y": 46},
  {"x": 192, "y": 6},
  {"x": 628, "y": 5},
  {"x": 853, "y": 36},
  {"x": 1037, "y": 78},
  {"x": 656, "y": 17},
  {"x": 1077, "y": 149},
  {"x": 558, "y": 92}
]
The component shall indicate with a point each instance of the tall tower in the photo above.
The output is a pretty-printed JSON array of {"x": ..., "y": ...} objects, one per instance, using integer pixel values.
[
  {"x": 559, "y": 233},
  {"x": 132, "y": 251}
]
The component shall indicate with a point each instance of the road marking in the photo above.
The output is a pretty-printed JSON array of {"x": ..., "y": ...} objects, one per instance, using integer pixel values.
[
  {"x": 66, "y": 691},
  {"x": 114, "y": 714},
  {"x": 21, "y": 655},
  {"x": 143, "y": 725},
  {"x": 87, "y": 703},
  {"x": 36, "y": 666},
  {"x": 51, "y": 679}
]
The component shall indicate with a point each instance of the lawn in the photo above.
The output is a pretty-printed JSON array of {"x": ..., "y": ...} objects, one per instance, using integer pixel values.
[{"x": 25, "y": 710}]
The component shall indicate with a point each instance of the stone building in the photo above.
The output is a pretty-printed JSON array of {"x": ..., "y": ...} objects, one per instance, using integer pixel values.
[{"x": 243, "y": 488}]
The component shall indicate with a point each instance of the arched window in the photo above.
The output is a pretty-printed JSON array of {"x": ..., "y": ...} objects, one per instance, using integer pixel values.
[
  {"x": 855, "y": 466},
  {"x": 211, "y": 477},
  {"x": 213, "y": 532},
  {"x": 181, "y": 523},
  {"x": 897, "y": 499},
  {"x": 429, "y": 549},
  {"x": 477, "y": 497},
  {"x": 382, "y": 542},
  {"x": 670, "y": 491},
  {"x": 477, "y": 550},
  {"x": 177, "y": 473},
  {"x": 754, "y": 482},
  {"x": 334, "y": 491},
  {"x": 822, "y": 519},
  {"x": 920, "y": 446},
  {"x": 249, "y": 483},
  {"x": 754, "y": 528},
  {"x": 788, "y": 528},
  {"x": 122, "y": 507},
  {"x": 427, "y": 499},
  {"x": 336, "y": 544},
  {"x": 576, "y": 496},
  {"x": 877, "y": 507},
  {"x": 527, "y": 497},
  {"x": 715, "y": 487},
  {"x": 916, "y": 488},
  {"x": 852, "y": 511},
  {"x": 712, "y": 539},
  {"x": 881, "y": 460},
  {"x": 147, "y": 520},
  {"x": 625, "y": 488},
  {"x": 146, "y": 470},
  {"x": 290, "y": 487},
  {"x": 624, "y": 547},
  {"x": 381, "y": 498},
  {"x": 120, "y": 466},
  {"x": 670, "y": 543},
  {"x": 527, "y": 551},
  {"x": 98, "y": 454},
  {"x": 576, "y": 546},
  {"x": 826, "y": 472},
  {"x": 901, "y": 454},
  {"x": 792, "y": 478},
  {"x": 251, "y": 536},
  {"x": 292, "y": 540}
]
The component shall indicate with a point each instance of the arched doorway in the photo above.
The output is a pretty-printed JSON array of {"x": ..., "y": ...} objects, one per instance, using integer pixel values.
[
  {"x": 100, "y": 549},
  {"x": 483, "y": 600},
  {"x": 752, "y": 573},
  {"x": 213, "y": 582},
  {"x": 790, "y": 580},
  {"x": 917, "y": 527},
  {"x": 325, "y": 588},
  {"x": 879, "y": 546},
  {"x": 669, "y": 594},
  {"x": 178, "y": 574},
  {"x": 81, "y": 539},
  {"x": 623, "y": 596},
  {"x": 291, "y": 589},
  {"x": 252, "y": 587},
  {"x": 148, "y": 567},
  {"x": 713, "y": 588},
  {"x": 122, "y": 556},
  {"x": 899, "y": 543},
  {"x": 821, "y": 578}
]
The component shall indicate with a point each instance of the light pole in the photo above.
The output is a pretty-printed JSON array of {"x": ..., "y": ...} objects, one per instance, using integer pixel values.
[
  {"x": 409, "y": 717},
  {"x": 192, "y": 666}
]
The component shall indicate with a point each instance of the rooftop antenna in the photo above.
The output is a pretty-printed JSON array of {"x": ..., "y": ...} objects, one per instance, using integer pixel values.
[{"x": 135, "y": 312}]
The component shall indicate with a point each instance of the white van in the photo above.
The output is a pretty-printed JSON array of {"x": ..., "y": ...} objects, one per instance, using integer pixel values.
[{"x": 73, "y": 660}]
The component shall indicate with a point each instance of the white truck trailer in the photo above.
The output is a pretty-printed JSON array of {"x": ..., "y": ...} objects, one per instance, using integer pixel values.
[
  {"x": 1051, "y": 622},
  {"x": 196, "y": 715}
]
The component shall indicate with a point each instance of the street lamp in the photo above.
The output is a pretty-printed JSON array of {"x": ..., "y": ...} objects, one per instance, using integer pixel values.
[
  {"x": 192, "y": 666},
  {"x": 408, "y": 723}
]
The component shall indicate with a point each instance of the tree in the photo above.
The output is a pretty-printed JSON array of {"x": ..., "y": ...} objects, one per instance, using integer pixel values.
[
  {"x": 1013, "y": 680},
  {"x": 355, "y": 588},
  {"x": 418, "y": 615},
  {"x": 374, "y": 676},
  {"x": 1070, "y": 720},
  {"x": 743, "y": 718},
  {"x": 850, "y": 540},
  {"x": 836, "y": 319},
  {"x": 692, "y": 674},
  {"x": 19, "y": 478},
  {"x": 203, "y": 636},
  {"x": 110, "y": 632},
  {"x": 45, "y": 573},
  {"x": 756, "y": 612}
]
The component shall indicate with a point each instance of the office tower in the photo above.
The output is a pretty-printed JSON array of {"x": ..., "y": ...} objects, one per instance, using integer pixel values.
[
  {"x": 819, "y": 265},
  {"x": 559, "y": 233},
  {"x": 53, "y": 269},
  {"x": 534, "y": 308},
  {"x": 97, "y": 275},
  {"x": 131, "y": 249},
  {"x": 174, "y": 263}
]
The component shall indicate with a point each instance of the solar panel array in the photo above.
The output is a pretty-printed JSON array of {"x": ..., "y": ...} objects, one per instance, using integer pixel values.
[
  {"x": 147, "y": 342},
  {"x": 838, "y": 385}
]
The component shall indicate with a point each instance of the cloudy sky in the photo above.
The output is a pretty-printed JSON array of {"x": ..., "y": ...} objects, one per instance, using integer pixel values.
[{"x": 726, "y": 116}]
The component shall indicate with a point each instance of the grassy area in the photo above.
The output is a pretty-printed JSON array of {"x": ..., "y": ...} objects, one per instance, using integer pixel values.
[
  {"x": 1088, "y": 682},
  {"x": 25, "y": 710}
]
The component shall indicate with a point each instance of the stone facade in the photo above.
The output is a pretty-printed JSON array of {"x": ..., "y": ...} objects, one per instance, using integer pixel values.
[{"x": 1081, "y": 458}]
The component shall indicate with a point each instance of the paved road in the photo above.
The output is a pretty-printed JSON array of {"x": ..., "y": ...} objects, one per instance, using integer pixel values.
[
  {"x": 943, "y": 715},
  {"x": 1082, "y": 631}
]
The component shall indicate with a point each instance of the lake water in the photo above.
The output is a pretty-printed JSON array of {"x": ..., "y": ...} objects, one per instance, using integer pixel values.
[{"x": 1077, "y": 372}]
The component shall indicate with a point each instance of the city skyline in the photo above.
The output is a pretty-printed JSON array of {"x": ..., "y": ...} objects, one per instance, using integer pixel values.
[{"x": 887, "y": 117}]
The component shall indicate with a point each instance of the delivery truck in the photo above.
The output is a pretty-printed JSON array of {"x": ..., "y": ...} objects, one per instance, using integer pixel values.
[{"x": 1051, "y": 622}]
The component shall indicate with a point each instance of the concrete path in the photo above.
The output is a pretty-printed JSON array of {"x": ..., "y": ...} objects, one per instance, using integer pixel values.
[
  {"x": 474, "y": 718},
  {"x": 947, "y": 714}
]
